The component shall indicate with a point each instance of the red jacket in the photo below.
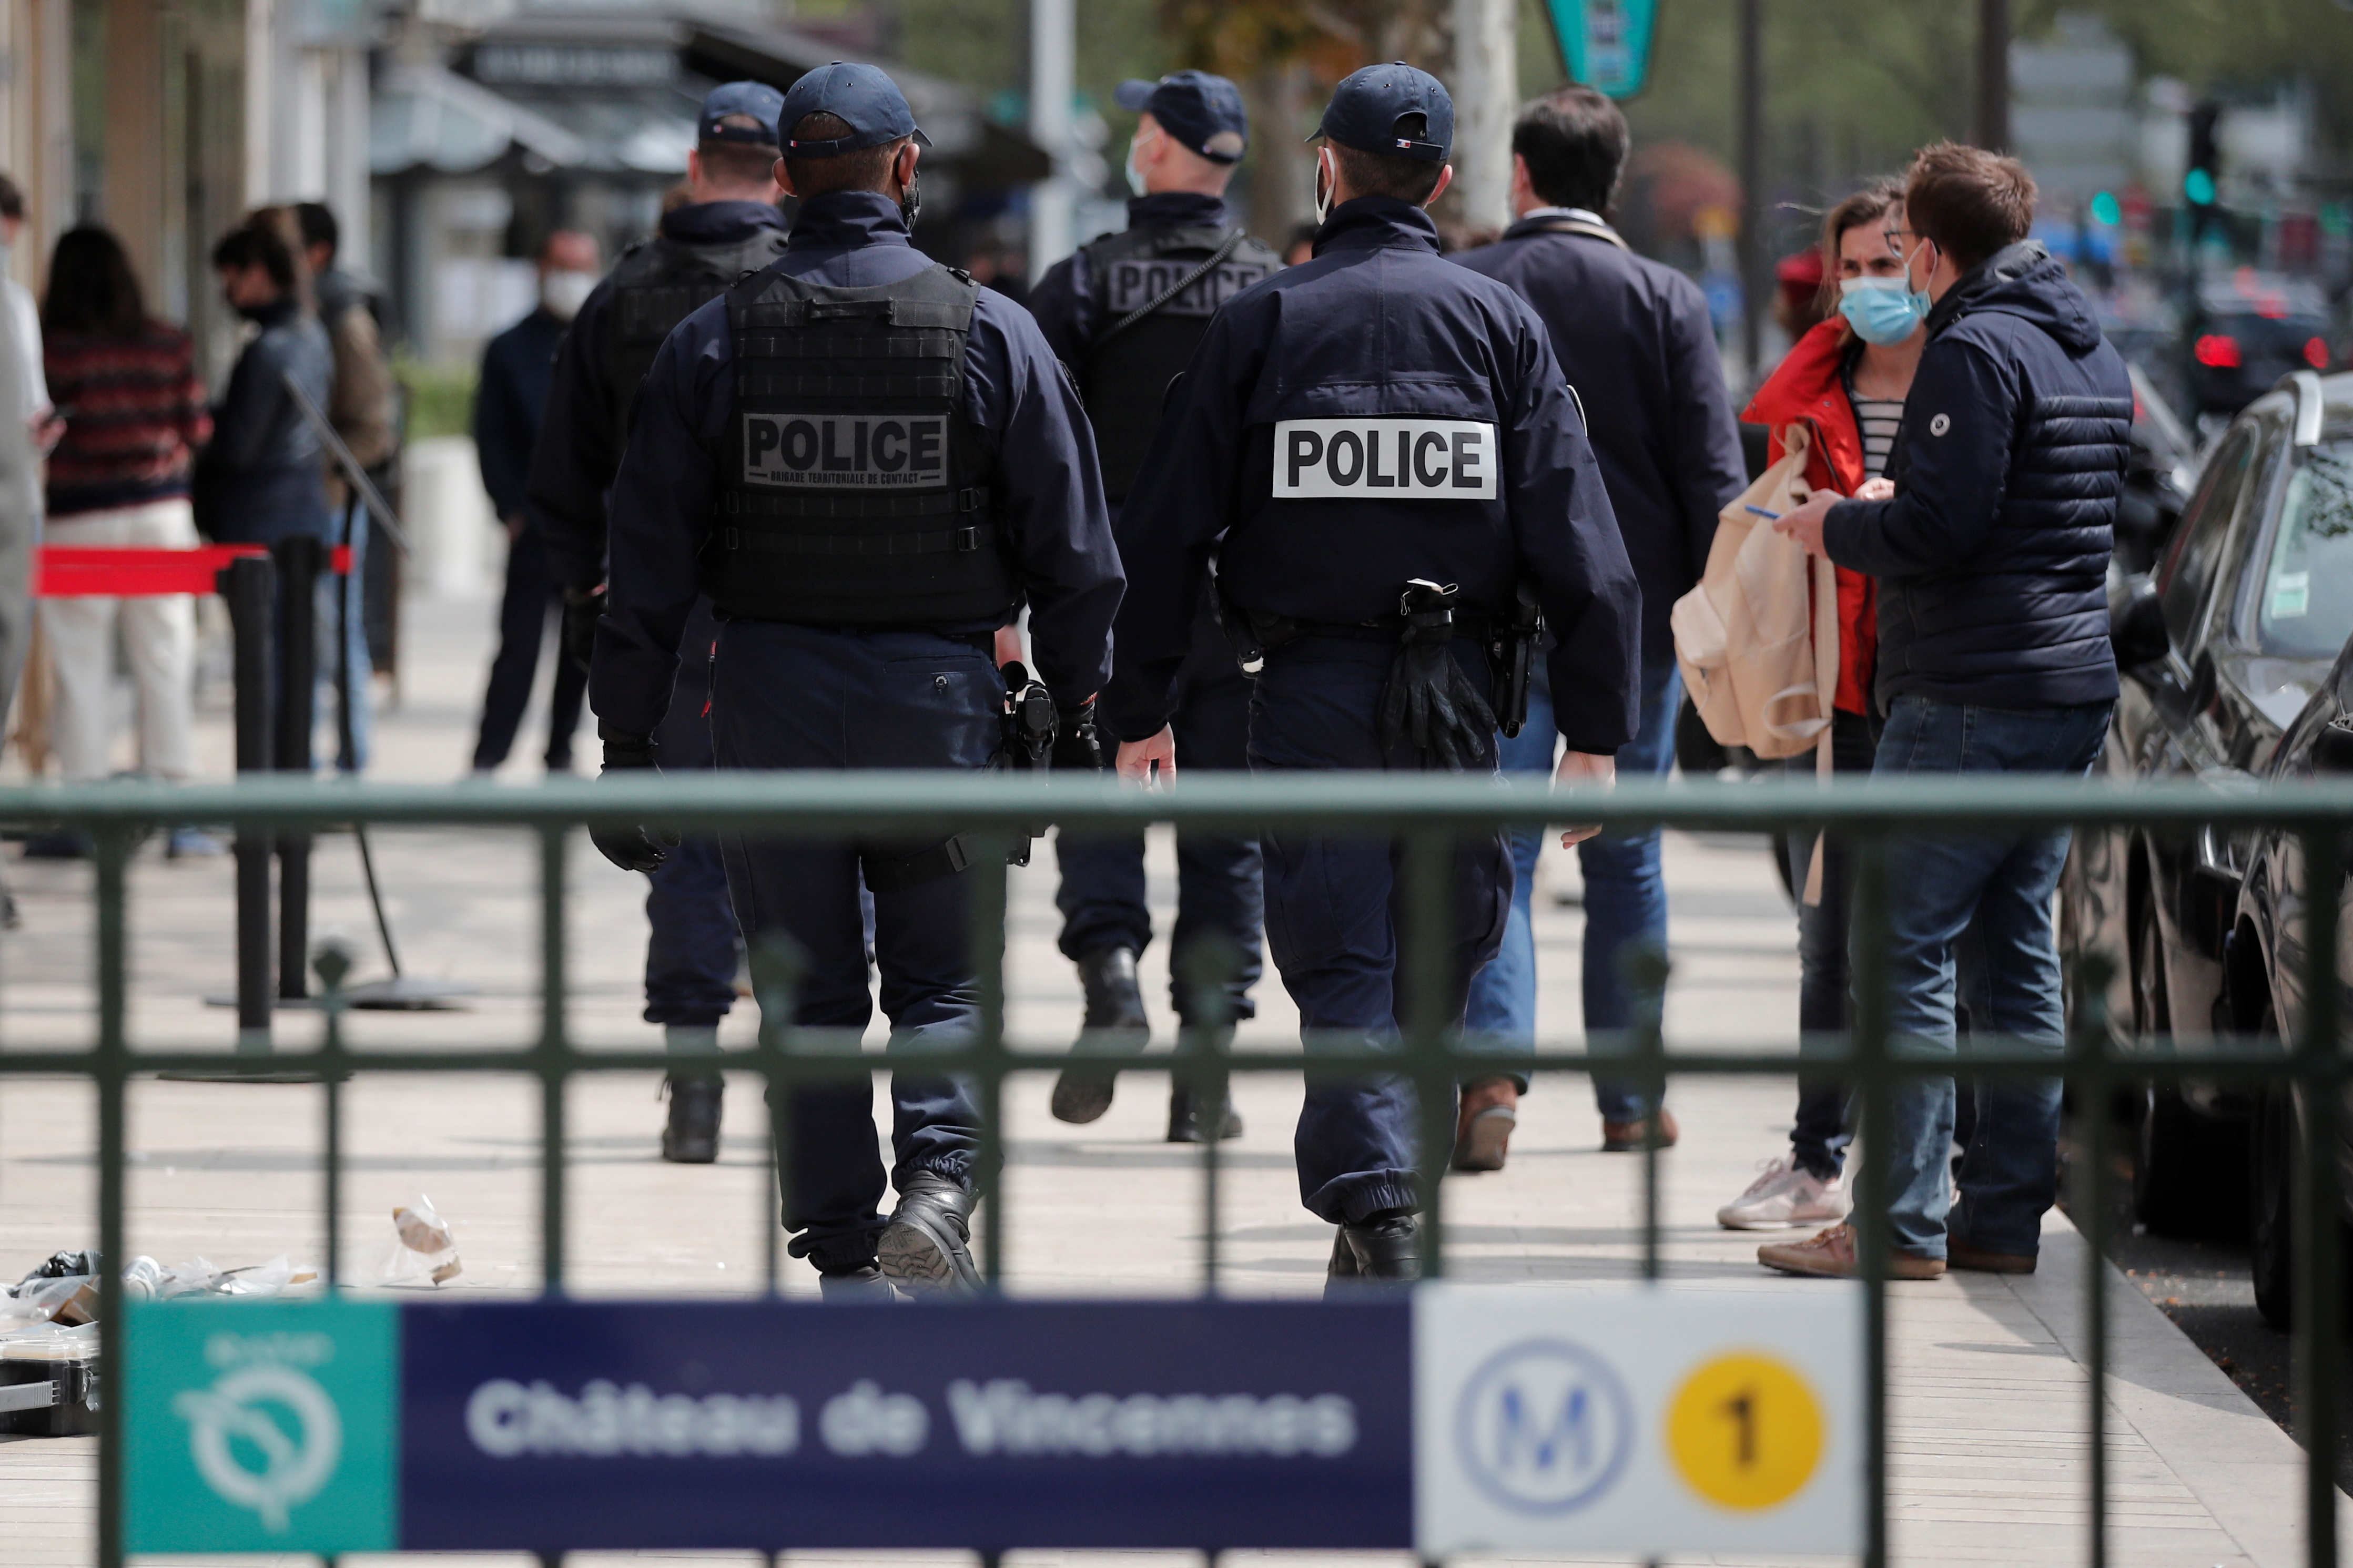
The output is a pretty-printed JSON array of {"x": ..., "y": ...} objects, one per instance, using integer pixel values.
[{"x": 1809, "y": 386}]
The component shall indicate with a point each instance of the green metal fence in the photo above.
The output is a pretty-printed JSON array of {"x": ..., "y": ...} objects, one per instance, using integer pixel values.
[{"x": 1426, "y": 815}]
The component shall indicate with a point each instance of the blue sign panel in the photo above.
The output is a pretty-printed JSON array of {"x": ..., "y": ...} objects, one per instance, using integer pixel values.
[
  {"x": 1605, "y": 44},
  {"x": 552, "y": 1426}
]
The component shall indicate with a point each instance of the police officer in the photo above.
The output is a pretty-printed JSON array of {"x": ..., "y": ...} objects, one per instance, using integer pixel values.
[
  {"x": 729, "y": 226},
  {"x": 867, "y": 464},
  {"x": 1124, "y": 313},
  {"x": 1379, "y": 449}
]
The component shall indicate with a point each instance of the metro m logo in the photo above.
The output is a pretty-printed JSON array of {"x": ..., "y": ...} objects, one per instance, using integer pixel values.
[{"x": 1543, "y": 1427}]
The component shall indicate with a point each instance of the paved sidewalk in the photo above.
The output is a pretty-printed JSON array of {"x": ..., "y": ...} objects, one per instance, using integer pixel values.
[{"x": 1988, "y": 1398}]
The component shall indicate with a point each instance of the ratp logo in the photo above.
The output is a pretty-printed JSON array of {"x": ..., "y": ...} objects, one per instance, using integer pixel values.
[
  {"x": 1543, "y": 1427},
  {"x": 265, "y": 1436}
]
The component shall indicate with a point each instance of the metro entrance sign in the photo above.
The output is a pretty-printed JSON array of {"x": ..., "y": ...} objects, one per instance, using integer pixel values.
[{"x": 1457, "y": 1418}]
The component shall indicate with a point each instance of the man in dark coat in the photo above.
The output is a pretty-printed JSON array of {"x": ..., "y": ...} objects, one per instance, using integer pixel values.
[
  {"x": 516, "y": 368},
  {"x": 1991, "y": 555},
  {"x": 1634, "y": 339}
]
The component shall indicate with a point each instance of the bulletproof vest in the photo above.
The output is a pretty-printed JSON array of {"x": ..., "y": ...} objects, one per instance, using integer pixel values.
[
  {"x": 853, "y": 491},
  {"x": 661, "y": 282},
  {"x": 1126, "y": 372}
]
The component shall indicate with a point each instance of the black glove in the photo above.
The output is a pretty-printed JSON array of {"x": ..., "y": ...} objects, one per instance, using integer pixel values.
[
  {"x": 578, "y": 637},
  {"x": 1429, "y": 697},
  {"x": 1077, "y": 746},
  {"x": 635, "y": 848}
]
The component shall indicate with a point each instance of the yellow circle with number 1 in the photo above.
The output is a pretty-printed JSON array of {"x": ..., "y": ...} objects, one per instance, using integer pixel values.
[{"x": 1745, "y": 1431}]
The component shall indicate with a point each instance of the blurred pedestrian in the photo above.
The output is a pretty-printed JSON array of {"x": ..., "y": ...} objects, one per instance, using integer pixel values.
[
  {"x": 1843, "y": 383},
  {"x": 517, "y": 366},
  {"x": 118, "y": 478},
  {"x": 1115, "y": 313},
  {"x": 263, "y": 478},
  {"x": 25, "y": 317},
  {"x": 20, "y": 522},
  {"x": 1991, "y": 556},
  {"x": 1301, "y": 245},
  {"x": 363, "y": 409},
  {"x": 1635, "y": 340}
]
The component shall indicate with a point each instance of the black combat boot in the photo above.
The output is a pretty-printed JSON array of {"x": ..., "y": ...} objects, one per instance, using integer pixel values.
[
  {"x": 927, "y": 1246},
  {"x": 1189, "y": 1116},
  {"x": 1382, "y": 1249},
  {"x": 692, "y": 1136},
  {"x": 1114, "y": 1009}
]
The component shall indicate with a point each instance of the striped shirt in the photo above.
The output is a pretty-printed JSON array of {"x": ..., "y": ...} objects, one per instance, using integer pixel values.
[
  {"x": 135, "y": 413},
  {"x": 1876, "y": 418}
]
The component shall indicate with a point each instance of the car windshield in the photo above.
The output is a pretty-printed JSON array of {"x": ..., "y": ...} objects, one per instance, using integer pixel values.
[{"x": 2306, "y": 611}]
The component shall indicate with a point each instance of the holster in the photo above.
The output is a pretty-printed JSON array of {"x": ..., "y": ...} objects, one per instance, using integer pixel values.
[
  {"x": 1512, "y": 646},
  {"x": 1249, "y": 633},
  {"x": 1029, "y": 727}
]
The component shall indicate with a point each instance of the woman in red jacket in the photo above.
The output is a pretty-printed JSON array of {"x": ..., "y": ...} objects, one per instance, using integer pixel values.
[{"x": 1845, "y": 381}]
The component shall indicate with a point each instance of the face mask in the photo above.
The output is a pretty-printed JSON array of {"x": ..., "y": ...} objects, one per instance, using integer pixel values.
[
  {"x": 563, "y": 291},
  {"x": 1134, "y": 175},
  {"x": 1327, "y": 177},
  {"x": 911, "y": 200},
  {"x": 1881, "y": 311}
]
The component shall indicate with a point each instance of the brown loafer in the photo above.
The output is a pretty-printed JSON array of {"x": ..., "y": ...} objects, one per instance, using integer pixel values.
[
  {"x": 1961, "y": 1255},
  {"x": 1626, "y": 1137},
  {"x": 1482, "y": 1132},
  {"x": 1830, "y": 1255}
]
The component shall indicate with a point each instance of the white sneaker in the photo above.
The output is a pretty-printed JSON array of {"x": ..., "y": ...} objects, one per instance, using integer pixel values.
[{"x": 1783, "y": 1196}]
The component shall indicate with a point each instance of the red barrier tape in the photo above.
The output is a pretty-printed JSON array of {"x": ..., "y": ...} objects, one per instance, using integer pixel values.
[{"x": 76, "y": 571}]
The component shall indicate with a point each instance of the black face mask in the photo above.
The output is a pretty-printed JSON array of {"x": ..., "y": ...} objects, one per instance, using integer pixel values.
[
  {"x": 911, "y": 200},
  {"x": 258, "y": 312}
]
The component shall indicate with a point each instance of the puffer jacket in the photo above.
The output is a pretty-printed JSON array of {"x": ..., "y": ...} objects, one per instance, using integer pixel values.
[{"x": 1993, "y": 555}]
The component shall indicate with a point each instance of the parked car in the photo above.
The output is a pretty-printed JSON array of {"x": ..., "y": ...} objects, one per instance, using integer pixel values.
[
  {"x": 2159, "y": 475},
  {"x": 2246, "y": 329},
  {"x": 2221, "y": 648}
]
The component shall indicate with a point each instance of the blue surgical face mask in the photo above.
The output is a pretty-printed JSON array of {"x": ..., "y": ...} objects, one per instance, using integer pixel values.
[
  {"x": 1134, "y": 175},
  {"x": 1881, "y": 311}
]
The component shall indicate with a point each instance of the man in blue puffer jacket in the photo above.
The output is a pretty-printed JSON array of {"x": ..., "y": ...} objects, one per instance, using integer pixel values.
[{"x": 1991, "y": 555}]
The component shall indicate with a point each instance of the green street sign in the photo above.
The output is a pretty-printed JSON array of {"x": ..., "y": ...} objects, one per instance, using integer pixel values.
[
  {"x": 1605, "y": 44},
  {"x": 261, "y": 1426}
]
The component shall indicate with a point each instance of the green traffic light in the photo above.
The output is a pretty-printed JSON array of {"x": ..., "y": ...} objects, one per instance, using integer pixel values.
[
  {"x": 2199, "y": 186},
  {"x": 2106, "y": 209}
]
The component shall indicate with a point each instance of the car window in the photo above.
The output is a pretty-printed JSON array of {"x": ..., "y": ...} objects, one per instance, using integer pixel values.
[
  {"x": 2198, "y": 547},
  {"x": 2305, "y": 609}
]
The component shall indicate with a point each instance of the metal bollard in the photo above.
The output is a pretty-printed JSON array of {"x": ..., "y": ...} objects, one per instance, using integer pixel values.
[
  {"x": 248, "y": 587},
  {"x": 300, "y": 561}
]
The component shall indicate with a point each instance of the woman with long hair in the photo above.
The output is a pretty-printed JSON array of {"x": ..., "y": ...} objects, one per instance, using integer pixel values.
[
  {"x": 1845, "y": 382},
  {"x": 133, "y": 407}
]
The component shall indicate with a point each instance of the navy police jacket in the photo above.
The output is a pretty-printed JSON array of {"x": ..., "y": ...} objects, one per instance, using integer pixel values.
[
  {"x": 1376, "y": 415},
  {"x": 1992, "y": 559},
  {"x": 1065, "y": 300},
  {"x": 1634, "y": 339},
  {"x": 573, "y": 460},
  {"x": 1053, "y": 512}
]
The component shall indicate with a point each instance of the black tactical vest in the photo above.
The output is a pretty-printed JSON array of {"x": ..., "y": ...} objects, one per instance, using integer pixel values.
[
  {"x": 657, "y": 284},
  {"x": 852, "y": 489},
  {"x": 1126, "y": 370}
]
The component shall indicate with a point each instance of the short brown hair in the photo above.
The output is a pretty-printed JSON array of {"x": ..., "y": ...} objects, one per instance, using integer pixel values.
[
  {"x": 1398, "y": 175},
  {"x": 867, "y": 169},
  {"x": 1970, "y": 202},
  {"x": 730, "y": 162},
  {"x": 1574, "y": 143}
]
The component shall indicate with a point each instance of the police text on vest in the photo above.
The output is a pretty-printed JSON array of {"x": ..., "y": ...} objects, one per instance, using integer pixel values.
[
  {"x": 1385, "y": 459},
  {"x": 845, "y": 451}
]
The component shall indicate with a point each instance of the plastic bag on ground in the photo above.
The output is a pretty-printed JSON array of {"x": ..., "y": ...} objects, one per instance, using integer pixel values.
[{"x": 423, "y": 1248}]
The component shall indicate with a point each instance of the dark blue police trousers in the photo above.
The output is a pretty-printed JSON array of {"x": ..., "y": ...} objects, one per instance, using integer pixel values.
[
  {"x": 796, "y": 697},
  {"x": 1333, "y": 908},
  {"x": 1218, "y": 889},
  {"x": 691, "y": 949}
]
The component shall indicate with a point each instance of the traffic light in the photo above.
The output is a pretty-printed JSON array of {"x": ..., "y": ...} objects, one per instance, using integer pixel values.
[{"x": 2197, "y": 183}]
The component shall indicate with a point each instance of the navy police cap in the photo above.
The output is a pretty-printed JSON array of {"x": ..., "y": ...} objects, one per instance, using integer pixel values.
[
  {"x": 755, "y": 100},
  {"x": 860, "y": 96},
  {"x": 1202, "y": 111},
  {"x": 1369, "y": 111}
]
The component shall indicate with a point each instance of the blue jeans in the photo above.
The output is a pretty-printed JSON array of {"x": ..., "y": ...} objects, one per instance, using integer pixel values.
[
  {"x": 1501, "y": 1014},
  {"x": 1625, "y": 896},
  {"x": 2001, "y": 884}
]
